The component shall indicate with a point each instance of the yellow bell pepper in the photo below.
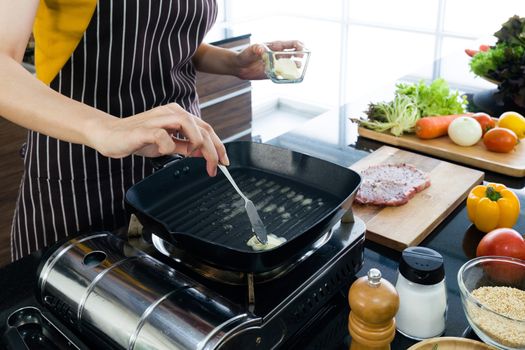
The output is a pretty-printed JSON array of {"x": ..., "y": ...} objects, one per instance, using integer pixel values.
[{"x": 492, "y": 206}]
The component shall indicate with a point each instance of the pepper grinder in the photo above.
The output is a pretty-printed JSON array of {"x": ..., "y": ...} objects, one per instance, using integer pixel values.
[{"x": 373, "y": 303}]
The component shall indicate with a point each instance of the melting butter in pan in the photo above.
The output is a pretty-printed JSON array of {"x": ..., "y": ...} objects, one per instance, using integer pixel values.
[{"x": 273, "y": 241}]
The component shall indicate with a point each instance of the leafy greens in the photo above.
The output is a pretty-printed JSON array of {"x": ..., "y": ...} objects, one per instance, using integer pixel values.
[
  {"x": 504, "y": 63},
  {"x": 398, "y": 116},
  {"x": 512, "y": 32},
  {"x": 412, "y": 102},
  {"x": 434, "y": 99}
]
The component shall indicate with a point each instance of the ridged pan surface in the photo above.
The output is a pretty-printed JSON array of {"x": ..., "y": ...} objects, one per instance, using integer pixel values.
[
  {"x": 217, "y": 213},
  {"x": 297, "y": 196}
]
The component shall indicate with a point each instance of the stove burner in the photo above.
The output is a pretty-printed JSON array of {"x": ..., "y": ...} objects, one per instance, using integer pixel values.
[{"x": 234, "y": 277}]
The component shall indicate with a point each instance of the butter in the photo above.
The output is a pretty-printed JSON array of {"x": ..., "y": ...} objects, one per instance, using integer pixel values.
[
  {"x": 287, "y": 69},
  {"x": 273, "y": 241}
]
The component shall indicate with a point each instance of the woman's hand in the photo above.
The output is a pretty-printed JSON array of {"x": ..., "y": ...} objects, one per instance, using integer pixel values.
[
  {"x": 250, "y": 65},
  {"x": 152, "y": 134}
]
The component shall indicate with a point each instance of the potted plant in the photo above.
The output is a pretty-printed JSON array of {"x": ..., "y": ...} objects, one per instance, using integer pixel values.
[{"x": 504, "y": 65}]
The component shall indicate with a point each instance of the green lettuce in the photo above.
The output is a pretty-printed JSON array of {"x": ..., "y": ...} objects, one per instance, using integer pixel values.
[
  {"x": 498, "y": 62},
  {"x": 433, "y": 99}
]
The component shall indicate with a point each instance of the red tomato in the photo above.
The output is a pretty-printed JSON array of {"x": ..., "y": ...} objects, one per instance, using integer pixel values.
[
  {"x": 484, "y": 48},
  {"x": 486, "y": 121},
  {"x": 500, "y": 140},
  {"x": 503, "y": 242},
  {"x": 471, "y": 52}
]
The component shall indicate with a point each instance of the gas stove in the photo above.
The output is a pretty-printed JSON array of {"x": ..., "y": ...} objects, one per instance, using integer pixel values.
[
  {"x": 136, "y": 291},
  {"x": 297, "y": 289}
]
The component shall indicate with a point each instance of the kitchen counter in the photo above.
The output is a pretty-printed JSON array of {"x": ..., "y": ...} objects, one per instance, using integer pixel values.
[
  {"x": 332, "y": 137},
  {"x": 222, "y": 34}
]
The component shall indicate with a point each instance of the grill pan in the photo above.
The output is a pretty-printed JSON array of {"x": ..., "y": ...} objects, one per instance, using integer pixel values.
[{"x": 298, "y": 197}]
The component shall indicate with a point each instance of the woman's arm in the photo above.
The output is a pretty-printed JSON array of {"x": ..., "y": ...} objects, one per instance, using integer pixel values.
[
  {"x": 28, "y": 102},
  {"x": 216, "y": 60},
  {"x": 246, "y": 64}
]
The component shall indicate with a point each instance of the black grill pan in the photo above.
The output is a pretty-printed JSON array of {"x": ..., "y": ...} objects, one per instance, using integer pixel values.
[{"x": 298, "y": 197}]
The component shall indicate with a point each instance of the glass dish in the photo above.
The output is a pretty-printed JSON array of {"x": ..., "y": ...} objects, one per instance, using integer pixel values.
[
  {"x": 494, "y": 328},
  {"x": 285, "y": 67}
]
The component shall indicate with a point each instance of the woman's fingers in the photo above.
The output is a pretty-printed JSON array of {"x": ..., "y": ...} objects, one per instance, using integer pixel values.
[
  {"x": 153, "y": 142},
  {"x": 152, "y": 134},
  {"x": 164, "y": 141},
  {"x": 210, "y": 154},
  {"x": 192, "y": 129},
  {"x": 178, "y": 119},
  {"x": 217, "y": 143},
  {"x": 251, "y": 54},
  {"x": 201, "y": 138},
  {"x": 286, "y": 44},
  {"x": 207, "y": 151},
  {"x": 258, "y": 50}
]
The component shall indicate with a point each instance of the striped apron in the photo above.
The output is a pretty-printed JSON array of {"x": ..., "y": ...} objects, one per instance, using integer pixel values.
[{"x": 134, "y": 55}]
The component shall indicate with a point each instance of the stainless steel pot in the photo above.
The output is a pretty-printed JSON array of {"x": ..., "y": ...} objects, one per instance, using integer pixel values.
[{"x": 115, "y": 294}]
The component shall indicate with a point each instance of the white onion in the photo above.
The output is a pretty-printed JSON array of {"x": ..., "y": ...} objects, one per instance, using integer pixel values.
[{"x": 465, "y": 131}]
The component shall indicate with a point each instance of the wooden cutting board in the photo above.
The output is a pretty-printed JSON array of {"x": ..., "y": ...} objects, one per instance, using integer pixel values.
[
  {"x": 511, "y": 164},
  {"x": 407, "y": 225}
]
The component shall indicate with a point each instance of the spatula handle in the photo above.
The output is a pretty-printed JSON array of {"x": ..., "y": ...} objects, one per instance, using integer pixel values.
[{"x": 232, "y": 181}]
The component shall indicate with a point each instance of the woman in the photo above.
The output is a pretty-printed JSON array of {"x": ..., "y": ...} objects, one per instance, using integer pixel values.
[{"x": 116, "y": 83}]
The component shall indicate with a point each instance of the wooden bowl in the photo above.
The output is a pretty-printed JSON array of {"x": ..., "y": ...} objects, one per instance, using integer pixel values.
[{"x": 450, "y": 343}]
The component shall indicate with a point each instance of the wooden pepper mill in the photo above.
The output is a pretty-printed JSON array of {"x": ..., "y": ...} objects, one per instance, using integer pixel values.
[{"x": 373, "y": 303}]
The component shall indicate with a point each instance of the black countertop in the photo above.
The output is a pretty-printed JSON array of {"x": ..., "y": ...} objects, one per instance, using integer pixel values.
[
  {"x": 220, "y": 35},
  {"x": 331, "y": 137}
]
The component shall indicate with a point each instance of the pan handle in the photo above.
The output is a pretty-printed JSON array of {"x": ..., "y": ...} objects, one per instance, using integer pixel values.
[{"x": 162, "y": 161}]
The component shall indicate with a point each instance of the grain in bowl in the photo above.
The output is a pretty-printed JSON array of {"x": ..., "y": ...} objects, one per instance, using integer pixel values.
[
  {"x": 493, "y": 296},
  {"x": 508, "y": 305}
]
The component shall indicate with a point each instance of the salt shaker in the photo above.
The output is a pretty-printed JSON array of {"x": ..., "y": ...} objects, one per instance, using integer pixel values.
[
  {"x": 373, "y": 304},
  {"x": 422, "y": 294}
]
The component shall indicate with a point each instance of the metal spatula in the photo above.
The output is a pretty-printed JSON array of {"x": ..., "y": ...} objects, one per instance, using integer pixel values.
[{"x": 257, "y": 224}]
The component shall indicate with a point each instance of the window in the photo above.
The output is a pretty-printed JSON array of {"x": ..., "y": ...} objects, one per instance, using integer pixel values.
[{"x": 361, "y": 47}]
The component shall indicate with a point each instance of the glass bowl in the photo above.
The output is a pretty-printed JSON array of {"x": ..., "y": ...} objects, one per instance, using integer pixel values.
[
  {"x": 285, "y": 67},
  {"x": 489, "y": 286}
]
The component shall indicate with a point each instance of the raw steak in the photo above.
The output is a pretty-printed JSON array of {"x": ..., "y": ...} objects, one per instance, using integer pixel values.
[{"x": 391, "y": 184}]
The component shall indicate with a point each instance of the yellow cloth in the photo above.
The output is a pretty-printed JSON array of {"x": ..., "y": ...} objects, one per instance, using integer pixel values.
[{"x": 58, "y": 28}]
